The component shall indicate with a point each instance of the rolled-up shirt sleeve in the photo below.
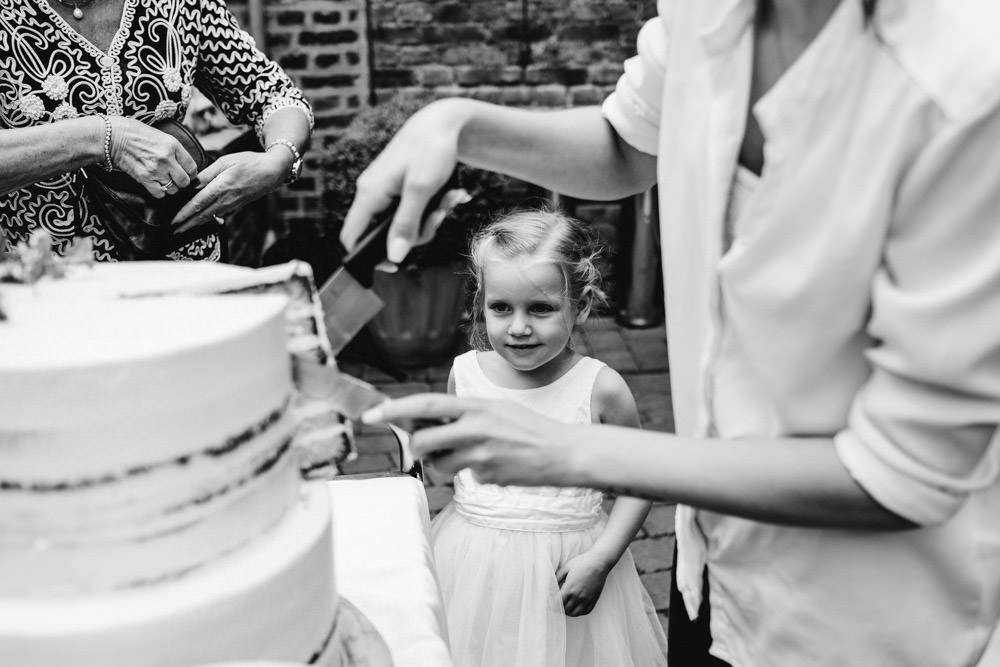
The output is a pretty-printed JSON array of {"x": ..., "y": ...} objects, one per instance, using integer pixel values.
[
  {"x": 923, "y": 431},
  {"x": 245, "y": 84},
  {"x": 633, "y": 109}
]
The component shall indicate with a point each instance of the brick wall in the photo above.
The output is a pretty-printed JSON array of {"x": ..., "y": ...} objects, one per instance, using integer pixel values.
[
  {"x": 322, "y": 45},
  {"x": 546, "y": 53}
]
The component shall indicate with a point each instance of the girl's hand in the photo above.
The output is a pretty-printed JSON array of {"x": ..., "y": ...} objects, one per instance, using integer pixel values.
[
  {"x": 501, "y": 442},
  {"x": 153, "y": 158},
  {"x": 581, "y": 580},
  {"x": 414, "y": 166},
  {"x": 232, "y": 182}
]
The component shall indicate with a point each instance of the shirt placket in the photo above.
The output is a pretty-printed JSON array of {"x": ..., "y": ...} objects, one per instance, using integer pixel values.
[{"x": 730, "y": 73}]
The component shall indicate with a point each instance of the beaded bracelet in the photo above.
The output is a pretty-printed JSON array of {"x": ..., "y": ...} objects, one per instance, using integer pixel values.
[
  {"x": 108, "y": 166},
  {"x": 296, "y": 168},
  {"x": 296, "y": 156}
]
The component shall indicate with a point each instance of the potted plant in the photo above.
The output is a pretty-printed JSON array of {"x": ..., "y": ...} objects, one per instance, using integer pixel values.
[{"x": 425, "y": 300}]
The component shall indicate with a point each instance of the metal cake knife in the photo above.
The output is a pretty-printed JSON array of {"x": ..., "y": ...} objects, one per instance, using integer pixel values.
[{"x": 348, "y": 299}]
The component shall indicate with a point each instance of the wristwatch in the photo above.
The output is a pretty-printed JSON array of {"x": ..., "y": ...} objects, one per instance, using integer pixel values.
[{"x": 296, "y": 169}]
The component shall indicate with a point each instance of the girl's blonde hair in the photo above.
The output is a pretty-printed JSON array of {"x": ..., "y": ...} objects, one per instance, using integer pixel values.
[{"x": 546, "y": 234}]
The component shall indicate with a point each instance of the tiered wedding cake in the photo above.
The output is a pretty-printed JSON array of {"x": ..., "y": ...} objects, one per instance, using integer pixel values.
[{"x": 151, "y": 507}]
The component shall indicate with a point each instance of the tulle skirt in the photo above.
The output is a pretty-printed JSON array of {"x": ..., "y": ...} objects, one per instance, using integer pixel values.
[{"x": 504, "y": 608}]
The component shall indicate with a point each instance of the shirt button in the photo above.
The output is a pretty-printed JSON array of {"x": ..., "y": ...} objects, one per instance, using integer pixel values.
[{"x": 107, "y": 61}]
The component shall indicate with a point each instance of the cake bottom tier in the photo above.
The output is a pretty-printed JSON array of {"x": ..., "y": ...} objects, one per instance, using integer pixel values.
[{"x": 272, "y": 600}]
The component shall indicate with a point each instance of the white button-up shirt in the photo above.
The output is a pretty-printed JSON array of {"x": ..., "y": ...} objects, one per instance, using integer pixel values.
[{"x": 859, "y": 300}]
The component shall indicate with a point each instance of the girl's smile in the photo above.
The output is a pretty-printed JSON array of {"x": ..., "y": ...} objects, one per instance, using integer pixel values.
[{"x": 529, "y": 318}]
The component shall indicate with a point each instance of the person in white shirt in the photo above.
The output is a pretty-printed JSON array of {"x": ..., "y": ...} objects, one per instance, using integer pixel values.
[{"x": 829, "y": 184}]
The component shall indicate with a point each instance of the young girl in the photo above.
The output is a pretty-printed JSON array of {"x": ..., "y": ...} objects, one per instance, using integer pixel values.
[{"x": 540, "y": 576}]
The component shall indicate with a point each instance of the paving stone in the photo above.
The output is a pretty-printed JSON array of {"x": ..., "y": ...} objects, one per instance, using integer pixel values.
[
  {"x": 658, "y": 585},
  {"x": 653, "y": 554},
  {"x": 618, "y": 358},
  {"x": 660, "y": 520}
]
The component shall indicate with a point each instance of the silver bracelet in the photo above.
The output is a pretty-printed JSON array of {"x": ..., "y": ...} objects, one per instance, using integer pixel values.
[
  {"x": 296, "y": 156},
  {"x": 108, "y": 166},
  {"x": 296, "y": 168}
]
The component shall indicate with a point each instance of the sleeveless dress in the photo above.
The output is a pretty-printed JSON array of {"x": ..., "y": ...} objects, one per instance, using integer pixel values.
[{"x": 497, "y": 550}]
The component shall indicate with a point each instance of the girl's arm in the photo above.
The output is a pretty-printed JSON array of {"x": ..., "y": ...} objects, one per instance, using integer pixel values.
[
  {"x": 581, "y": 579},
  {"x": 614, "y": 404}
]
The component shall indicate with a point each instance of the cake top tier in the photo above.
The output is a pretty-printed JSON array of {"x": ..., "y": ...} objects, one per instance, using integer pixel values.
[{"x": 62, "y": 330}]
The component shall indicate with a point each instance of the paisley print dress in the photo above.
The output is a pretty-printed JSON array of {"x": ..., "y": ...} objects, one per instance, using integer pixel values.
[{"x": 162, "y": 49}]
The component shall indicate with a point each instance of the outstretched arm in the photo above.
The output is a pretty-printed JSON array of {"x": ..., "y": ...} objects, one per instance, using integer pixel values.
[
  {"x": 793, "y": 481},
  {"x": 573, "y": 151}
]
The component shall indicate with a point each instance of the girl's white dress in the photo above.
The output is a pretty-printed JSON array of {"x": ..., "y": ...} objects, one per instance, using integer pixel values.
[{"x": 498, "y": 548}]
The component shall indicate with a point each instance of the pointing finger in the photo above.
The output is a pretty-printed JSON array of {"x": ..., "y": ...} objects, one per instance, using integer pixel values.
[{"x": 427, "y": 406}]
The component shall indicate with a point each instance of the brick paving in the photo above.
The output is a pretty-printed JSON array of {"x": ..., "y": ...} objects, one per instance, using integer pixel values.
[{"x": 640, "y": 355}]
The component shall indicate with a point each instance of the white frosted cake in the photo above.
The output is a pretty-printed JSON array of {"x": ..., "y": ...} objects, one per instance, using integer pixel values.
[{"x": 151, "y": 505}]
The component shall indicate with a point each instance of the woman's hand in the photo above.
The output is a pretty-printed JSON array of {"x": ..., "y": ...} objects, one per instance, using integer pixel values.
[
  {"x": 153, "y": 158},
  {"x": 232, "y": 182},
  {"x": 501, "y": 442},
  {"x": 414, "y": 166},
  {"x": 581, "y": 580}
]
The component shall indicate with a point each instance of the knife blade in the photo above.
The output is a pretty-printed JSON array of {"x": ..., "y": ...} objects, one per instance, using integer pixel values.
[
  {"x": 345, "y": 393},
  {"x": 351, "y": 397},
  {"x": 348, "y": 300}
]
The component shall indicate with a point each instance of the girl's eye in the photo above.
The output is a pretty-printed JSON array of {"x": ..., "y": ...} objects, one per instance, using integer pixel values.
[
  {"x": 542, "y": 309},
  {"x": 499, "y": 308}
]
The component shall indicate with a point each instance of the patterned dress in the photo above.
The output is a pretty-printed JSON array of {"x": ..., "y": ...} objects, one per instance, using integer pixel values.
[{"x": 162, "y": 49}]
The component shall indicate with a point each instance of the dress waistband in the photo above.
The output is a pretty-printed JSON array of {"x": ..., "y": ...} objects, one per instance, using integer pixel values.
[{"x": 558, "y": 518}]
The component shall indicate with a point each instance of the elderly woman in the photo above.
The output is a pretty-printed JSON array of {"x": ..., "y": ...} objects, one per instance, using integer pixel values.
[{"x": 81, "y": 81}]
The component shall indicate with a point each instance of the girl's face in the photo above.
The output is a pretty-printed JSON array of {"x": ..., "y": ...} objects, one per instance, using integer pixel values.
[{"x": 529, "y": 318}]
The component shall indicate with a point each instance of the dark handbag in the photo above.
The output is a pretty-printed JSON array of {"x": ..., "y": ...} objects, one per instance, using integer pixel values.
[{"x": 138, "y": 222}]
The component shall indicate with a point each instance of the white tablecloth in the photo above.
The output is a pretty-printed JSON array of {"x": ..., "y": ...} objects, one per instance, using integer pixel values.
[{"x": 384, "y": 565}]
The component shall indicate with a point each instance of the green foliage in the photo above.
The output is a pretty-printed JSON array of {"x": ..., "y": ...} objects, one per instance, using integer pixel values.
[{"x": 369, "y": 132}]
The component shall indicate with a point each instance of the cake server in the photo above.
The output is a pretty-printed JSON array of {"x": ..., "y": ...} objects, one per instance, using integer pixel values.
[
  {"x": 348, "y": 299},
  {"x": 350, "y": 397},
  {"x": 345, "y": 393}
]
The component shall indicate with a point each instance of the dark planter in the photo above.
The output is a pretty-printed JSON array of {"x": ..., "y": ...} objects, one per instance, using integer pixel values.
[{"x": 420, "y": 325}]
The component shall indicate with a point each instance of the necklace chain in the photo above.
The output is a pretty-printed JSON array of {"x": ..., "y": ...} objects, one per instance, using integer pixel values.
[{"x": 76, "y": 5}]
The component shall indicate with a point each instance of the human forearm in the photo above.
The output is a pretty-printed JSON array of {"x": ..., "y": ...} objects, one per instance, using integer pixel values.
[
  {"x": 34, "y": 154},
  {"x": 291, "y": 125},
  {"x": 793, "y": 481},
  {"x": 624, "y": 521},
  {"x": 572, "y": 151}
]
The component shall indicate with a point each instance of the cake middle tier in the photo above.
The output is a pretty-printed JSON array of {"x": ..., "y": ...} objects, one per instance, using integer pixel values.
[{"x": 141, "y": 438}]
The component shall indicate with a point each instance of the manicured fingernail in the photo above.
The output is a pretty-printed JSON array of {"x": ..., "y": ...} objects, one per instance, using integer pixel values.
[
  {"x": 372, "y": 416},
  {"x": 398, "y": 249}
]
